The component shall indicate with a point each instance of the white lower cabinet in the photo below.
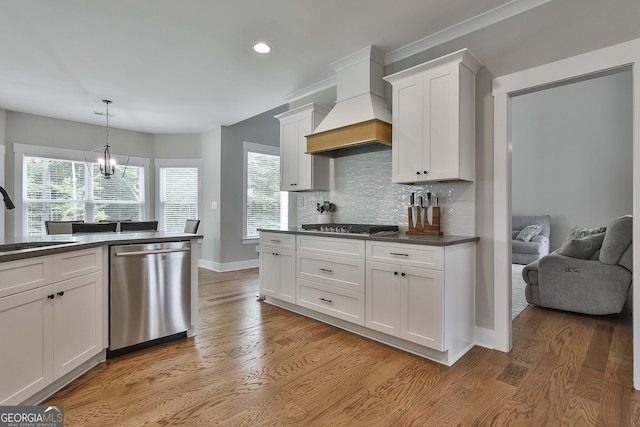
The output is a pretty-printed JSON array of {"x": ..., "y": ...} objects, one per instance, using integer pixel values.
[
  {"x": 418, "y": 297},
  {"x": 330, "y": 276},
  {"x": 278, "y": 266},
  {"x": 48, "y": 331},
  {"x": 406, "y": 302}
]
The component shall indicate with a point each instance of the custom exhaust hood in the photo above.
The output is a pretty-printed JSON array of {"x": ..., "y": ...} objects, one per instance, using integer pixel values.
[{"x": 360, "y": 116}]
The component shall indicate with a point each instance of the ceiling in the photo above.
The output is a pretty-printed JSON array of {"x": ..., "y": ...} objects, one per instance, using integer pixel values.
[{"x": 186, "y": 67}]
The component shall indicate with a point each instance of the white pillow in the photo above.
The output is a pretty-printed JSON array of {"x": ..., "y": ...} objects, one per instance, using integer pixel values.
[{"x": 528, "y": 232}]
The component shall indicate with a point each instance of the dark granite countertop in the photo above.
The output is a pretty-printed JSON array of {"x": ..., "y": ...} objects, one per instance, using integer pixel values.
[
  {"x": 446, "y": 240},
  {"x": 72, "y": 242}
]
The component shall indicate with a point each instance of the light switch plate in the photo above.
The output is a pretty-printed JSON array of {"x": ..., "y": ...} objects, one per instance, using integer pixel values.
[{"x": 214, "y": 205}]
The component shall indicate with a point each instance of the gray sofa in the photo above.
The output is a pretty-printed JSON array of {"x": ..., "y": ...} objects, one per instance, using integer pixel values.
[
  {"x": 526, "y": 252},
  {"x": 590, "y": 274}
]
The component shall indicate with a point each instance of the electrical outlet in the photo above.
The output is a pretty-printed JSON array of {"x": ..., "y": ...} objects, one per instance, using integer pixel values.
[
  {"x": 214, "y": 205},
  {"x": 300, "y": 201}
]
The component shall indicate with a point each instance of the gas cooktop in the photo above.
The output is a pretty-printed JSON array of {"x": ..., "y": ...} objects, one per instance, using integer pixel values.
[{"x": 367, "y": 229}]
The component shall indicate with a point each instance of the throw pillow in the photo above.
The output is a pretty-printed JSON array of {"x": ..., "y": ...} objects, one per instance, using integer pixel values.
[
  {"x": 578, "y": 232},
  {"x": 584, "y": 247},
  {"x": 528, "y": 232}
]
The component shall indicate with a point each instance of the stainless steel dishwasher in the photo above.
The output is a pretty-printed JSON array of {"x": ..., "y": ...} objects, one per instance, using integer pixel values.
[{"x": 149, "y": 292}]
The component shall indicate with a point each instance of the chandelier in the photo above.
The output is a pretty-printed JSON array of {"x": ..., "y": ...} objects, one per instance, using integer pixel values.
[{"x": 107, "y": 164}]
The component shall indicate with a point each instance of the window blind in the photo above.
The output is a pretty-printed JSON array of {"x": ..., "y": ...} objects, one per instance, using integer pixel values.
[{"x": 178, "y": 196}]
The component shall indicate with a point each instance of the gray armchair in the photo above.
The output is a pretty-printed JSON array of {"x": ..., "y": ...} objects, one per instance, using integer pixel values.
[
  {"x": 526, "y": 252},
  {"x": 584, "y": 275}
]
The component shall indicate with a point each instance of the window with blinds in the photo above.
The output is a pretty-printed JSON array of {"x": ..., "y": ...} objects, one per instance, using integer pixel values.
[
  {"x": 178, "y": 196},
  {"x": 63, "y": 190},
  {"x": 264, "y": 202}
]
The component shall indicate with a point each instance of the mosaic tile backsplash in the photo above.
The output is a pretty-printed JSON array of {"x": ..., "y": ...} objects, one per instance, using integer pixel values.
[{"x": 363, "y": 193}]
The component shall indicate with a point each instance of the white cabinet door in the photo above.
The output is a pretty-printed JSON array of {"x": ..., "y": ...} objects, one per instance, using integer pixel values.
[
  {"x": 305, "y": 161},
  {"x": 383, "y": 298},
  {"x": 423, "y": 307},
  {"x": 407, "y": 150},
  {"x": 26, "y": 334},
  {"x": 288, "y": 154},
  {"x": 287, "y": 282},
  {"x": 441, "y": 138},
  {"x": 77, "y": 322},
  {"x": 269, "y": 272},
  {"x": 300, "y": 171}
]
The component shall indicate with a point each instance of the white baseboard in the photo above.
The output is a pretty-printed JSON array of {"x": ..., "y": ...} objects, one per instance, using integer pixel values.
[{"x": 228, "y": 266}]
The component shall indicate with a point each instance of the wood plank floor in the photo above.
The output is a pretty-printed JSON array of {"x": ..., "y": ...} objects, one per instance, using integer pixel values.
[{"x": 253, "y": 364}]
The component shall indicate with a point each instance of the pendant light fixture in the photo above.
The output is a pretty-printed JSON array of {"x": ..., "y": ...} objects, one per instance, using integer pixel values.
[{"x": 107, "y": 164}]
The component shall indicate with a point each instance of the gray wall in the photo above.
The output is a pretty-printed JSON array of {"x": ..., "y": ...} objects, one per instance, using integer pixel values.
[
  {"x": 261, "y": 129},
  {"x": 211, "y": 144},
  {"x": 178, "y": 146},
  {"x": 572, "y": 153}
]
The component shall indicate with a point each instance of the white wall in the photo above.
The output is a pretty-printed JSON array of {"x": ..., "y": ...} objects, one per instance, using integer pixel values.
[{"x": 572, "y": 153}]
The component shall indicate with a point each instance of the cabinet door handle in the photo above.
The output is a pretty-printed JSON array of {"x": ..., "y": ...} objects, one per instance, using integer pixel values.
[
  {"x": 274, "y": 241},
  {"x": 425, "y": 172},
  {"x": 275, "y": 253},
  {"x": 326, "y": 270},
  {"x": 418, "y": 173},
  {"x": 61, "y": 293},
  {"x": 395, "y": 273},
  {"x": 52, "y": 296},
  {"x": 324, "y": 299},
  {"x": 399, "y": 254},
  {"x": 403, "y": 274}
]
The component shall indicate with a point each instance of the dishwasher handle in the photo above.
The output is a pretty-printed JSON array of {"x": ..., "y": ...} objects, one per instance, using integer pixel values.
[{"x": 151, "y": 252}]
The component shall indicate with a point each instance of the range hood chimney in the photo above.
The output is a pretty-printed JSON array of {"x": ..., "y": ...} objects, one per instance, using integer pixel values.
[{"x": 361, "y": 115}]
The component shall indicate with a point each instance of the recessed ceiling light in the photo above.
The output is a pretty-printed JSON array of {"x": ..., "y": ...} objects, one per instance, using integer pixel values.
[{"x": 262, "y": 48}]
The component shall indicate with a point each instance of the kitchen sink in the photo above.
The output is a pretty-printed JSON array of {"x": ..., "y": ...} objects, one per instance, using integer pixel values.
[{"x": 11, "y": 247}]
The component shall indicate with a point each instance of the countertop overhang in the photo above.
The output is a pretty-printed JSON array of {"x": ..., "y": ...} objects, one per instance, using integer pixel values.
[
  {"x": 444, "y": 240},
  {"x": 71, "y": 242}
]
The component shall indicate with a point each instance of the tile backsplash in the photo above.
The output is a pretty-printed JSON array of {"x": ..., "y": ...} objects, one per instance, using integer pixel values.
[{"x": 363, "y": 193}]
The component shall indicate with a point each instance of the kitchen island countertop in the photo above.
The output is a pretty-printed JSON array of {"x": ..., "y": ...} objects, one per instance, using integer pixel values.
[
  {"x": 444, "y": 240},
  {"x": 70, "y": 242}
]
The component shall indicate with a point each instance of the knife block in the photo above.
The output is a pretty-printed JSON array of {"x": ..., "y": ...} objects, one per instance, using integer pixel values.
[{"x": 426, "y": 228}]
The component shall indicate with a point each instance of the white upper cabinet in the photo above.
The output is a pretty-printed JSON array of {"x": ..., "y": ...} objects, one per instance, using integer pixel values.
[
  {"x": 300, "y": 171},
  {"x": 434, "y": 120}
]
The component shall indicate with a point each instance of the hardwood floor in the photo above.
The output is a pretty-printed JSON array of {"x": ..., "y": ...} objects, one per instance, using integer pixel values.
[{"x": 253, "y": 364}]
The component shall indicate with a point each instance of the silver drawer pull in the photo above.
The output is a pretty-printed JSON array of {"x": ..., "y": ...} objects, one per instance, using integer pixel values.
[
  {"x": 395, "y": 253},
  {"x": 274, "y": 241},
  {"x": 324, "y": 300},
  {"x": 326, "y": 270}
]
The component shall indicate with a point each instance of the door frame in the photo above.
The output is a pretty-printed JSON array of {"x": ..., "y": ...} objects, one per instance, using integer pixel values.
[{"x": 622, "y": 55}]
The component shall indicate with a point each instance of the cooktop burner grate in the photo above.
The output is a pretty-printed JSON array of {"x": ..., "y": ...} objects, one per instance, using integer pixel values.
[{"x": 351, "y": 228}]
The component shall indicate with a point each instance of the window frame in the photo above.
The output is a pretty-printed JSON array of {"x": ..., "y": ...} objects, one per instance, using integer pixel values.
[
  {"x": 176, "y": 163},
  {"x": 22, "y": 150},
  {"x": 263, "y": 149}
]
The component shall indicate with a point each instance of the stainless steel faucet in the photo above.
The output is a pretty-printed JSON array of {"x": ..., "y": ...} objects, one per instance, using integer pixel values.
[{"x": 7, "y": 200}]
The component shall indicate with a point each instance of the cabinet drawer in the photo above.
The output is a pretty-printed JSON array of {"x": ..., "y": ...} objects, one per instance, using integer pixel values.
[
  {"x": 278, "y": 240},
  {"x": 345, "y": 273},
  {"x": 406, "y": 254},
  {"x": 350, "y": 248},
  {"x": 76, "y": 263},
  {"x": 339, "y": 303},
  {"x": 25, "y": 274}
]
